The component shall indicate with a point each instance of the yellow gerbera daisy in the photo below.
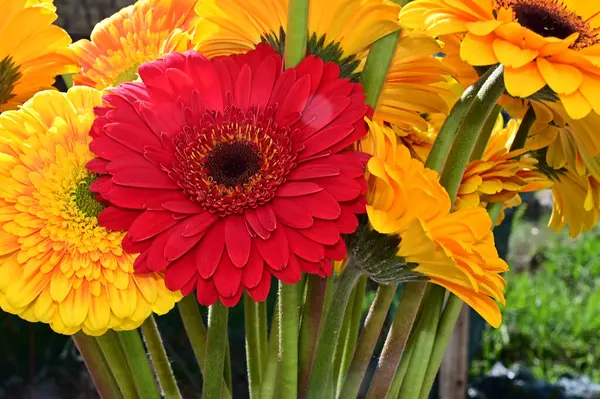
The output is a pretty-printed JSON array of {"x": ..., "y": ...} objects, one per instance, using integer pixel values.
[
  {"x": 539, "y": 42},
  {"x": 32, "y": 50},
  {"x": 576, "y": 202},
  {"x": 454, "y": 250},
  {"x": 58, "y": 266},
  {"x": 339, "y": 30},
  {"x": 416, "y": 84},
  {"x": 500, "y": 174},
  {"x": 139, "y": 33}
]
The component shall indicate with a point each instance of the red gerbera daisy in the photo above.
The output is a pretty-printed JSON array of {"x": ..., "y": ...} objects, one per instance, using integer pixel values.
[{"x": 230, "y": 170}]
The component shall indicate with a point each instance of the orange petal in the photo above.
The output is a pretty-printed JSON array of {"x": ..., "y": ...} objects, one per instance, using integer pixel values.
[
  {"x": 524, "y": 81},
  {"x": 478, "y": 50},
  {"x": 576, "y": 105},
  {"x": 512, "y": 56},
  {"x": 563, "y": 79}
]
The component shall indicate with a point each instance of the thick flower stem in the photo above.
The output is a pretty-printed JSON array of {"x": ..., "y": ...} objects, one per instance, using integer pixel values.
[
  {"x": 159, "y": 358},
  {"x": 253, "y": 346},
  {"x": 377, "y": 65},
  {"x": 341, "y": 343},
  {"x": 296, "y": 33},
  {"x": 216, "y": 343},
  {"x": 288, "y": 339},
  {"x": 328, "y": 336},
  {"x": 268, "y": 383},
  {"x": 424, "y": 338},
  {"x": 368, "y": 340},
  {"x": 486, "y": 133},
  {"x": 442, "y": 337},
  {"x": 447, "y": 134},
  {"x": 263, "y": 334},
  {"x": 97, "y": 366},
  {"x": 309, "y": 330},
  {"x": 524, "y": 127},
  {"x": 401, "y": 372},
  {"x": 111, "y": 349},
  {"x": 397, "y": 338},
  {"x": 137, "y": 359},
  {"x": 352, "y": 337},
  {"x": 469, "y": 131}
]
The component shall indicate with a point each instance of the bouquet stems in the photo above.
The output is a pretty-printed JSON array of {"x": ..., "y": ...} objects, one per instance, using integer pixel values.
[
  {"x": 216, "y": 344},
  {"x": 159, "y": 358},
  {"x": 268, "y": 383},
  {"x": 99, "y": 369},
  {"x": 253, "y": 345},
  {"x": 111, "y": 349},
  {"x": 288, "y": 339}
]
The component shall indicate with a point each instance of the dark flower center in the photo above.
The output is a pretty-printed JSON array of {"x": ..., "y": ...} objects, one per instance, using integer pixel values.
[
  {"x": 84, "y": 199},
  {"x": 233, "y": 160},
  {"x": 551, "y": 18},
  {"x": 9, "y": 75},
  {"x": 318, "y": 46},
  {"x": 233, "y": 164}
]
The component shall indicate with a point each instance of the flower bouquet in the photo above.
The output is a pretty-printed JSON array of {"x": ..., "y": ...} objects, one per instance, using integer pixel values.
[{"x": 213, "y": 152}]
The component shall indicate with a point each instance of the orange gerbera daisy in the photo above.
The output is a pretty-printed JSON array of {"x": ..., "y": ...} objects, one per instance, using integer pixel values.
[
  {"x": 553, "y": 43},
  {"x": 142, "y": 32}
]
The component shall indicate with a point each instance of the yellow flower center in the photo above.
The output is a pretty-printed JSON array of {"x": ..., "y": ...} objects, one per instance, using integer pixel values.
[
  {"x": 9, "y": 75},
  {"x": 551, "y": 18}
]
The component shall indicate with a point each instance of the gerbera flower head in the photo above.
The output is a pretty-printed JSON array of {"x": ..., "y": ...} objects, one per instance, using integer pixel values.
[
  {"x": 500, "y": 175},
  {"x": 229, "y": 171},
  {"x": 554, "y": 43},
  {"x": 58, "y": 265},
  {"x": 340, "y": 31},
  {"x": 454, "y": 250},
  {"x": 32, "y": 51},
  {"x": 142, "y": 32},
  {"x": 416, "y": 84},
  {"x": 576, "y": 202}
]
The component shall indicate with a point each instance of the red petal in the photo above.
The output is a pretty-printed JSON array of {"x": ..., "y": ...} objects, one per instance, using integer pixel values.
[
  {"x": 325, "y": 139},
  {"x": 237, "y": 239},
  {"x": 275, "y": 251},
  {"x": 309, "y": 267},
  {"x": 340, "y": 188},
  {"x": 179, "y": 274},
  {"x": 232, "y": 301},
  {"x": 260, "y": 292},
  {"x": 199, "y": 223},
  {"x": 255, "y": 225},
  {"x": 183, "y": 206},
  {"x": 210, "y": 250},
  {"x": 266, "y": 217},
  {"x": 337, "y": 251},
  {"x": 151, "y": 223},
  {"x": 227, "y": 278},
  {"x": 243, "y": 87},
  {"x": 134, "y": 247},
  {"x": 139, "y": 173},
  {"x": 289, "y": 212},
  {"x": 177, "y": 245},
  {"x": 97, "y": 165},
  {"x": 206, "y": 292},
  {"x": 114, "y": 218},
  {"x": 253, "y": 269},
  {"x": 323, "y": 232},
  {"x": 156, "y": 258},
  {"x": 296, "y": 99},
  {"x": 291, "y": 274},
  {"x": 305, "y": 247},
  {"x": 322, "y": 205},
  {"x": 132, "y": 136},
  {"x": 295, "y": 189},
  {"x": 313, "y": 170},
  {"x": 347, "y": 222},
  {"x": 262, "y": 82},
  {"x": 312, "y": 66},
  {"x": 158, "y": 156},
  {"x": 282, "y": 86},
  {"x": 140, "y": 265},
  {"x": 319, "y": 113},
  {"x": 190, "y": 286}
]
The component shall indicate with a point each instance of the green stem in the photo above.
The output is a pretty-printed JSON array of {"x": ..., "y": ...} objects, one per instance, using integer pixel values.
[
  {"x": 469, "y": 130},
  {"x": 368, "y": 340},
  {"x": 397, "y": 338},
  {"x": 137, "y": 359},
  {"x": 377, "y": 66},
  {"x": 99, "y": 369},
  {"x": 401, "y": 372},
  {"x": 328, "y": 336},
  {"x": 216, "y": 344},
  {"x": 494, "y": 211},
  {"x": 268, "y": 383},
  {"x": 523, "y": 132},
  {"x": 194, "y": 327},
  {"x": 263, "y": 334},
  {"x": 443, "y": 142},
  {"x": 309, "y": 329},
  {"x": 341, "y": 342},
  {"x": 253, "y": 346},
  {"x": 68, "y": 79},
  {"x": 161, "y": 363},
  {"x": 424, "y": 336},
  {"x": 486, "y": 133},
  {"x": 352, "y": 337},
  {"x": 227, "y": 365},
  {"x": 288, "y": 339},
  {"x": 442, "y": 337},
  {"x": 296, "y": 38},
  {"x": 111, "y": 349}
]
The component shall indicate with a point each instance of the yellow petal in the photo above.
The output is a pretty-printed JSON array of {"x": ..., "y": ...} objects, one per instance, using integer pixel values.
[
  {"x": 74, "y": 309},
  {"x": 99, "y": 313},
  {"x": 512, "y": 56},
  {"x": 562, "y": 78},
  {"x": 524, "y": 81},
  {"x": 478, "y": 51},
  {"x": 576, "y": 105}
]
